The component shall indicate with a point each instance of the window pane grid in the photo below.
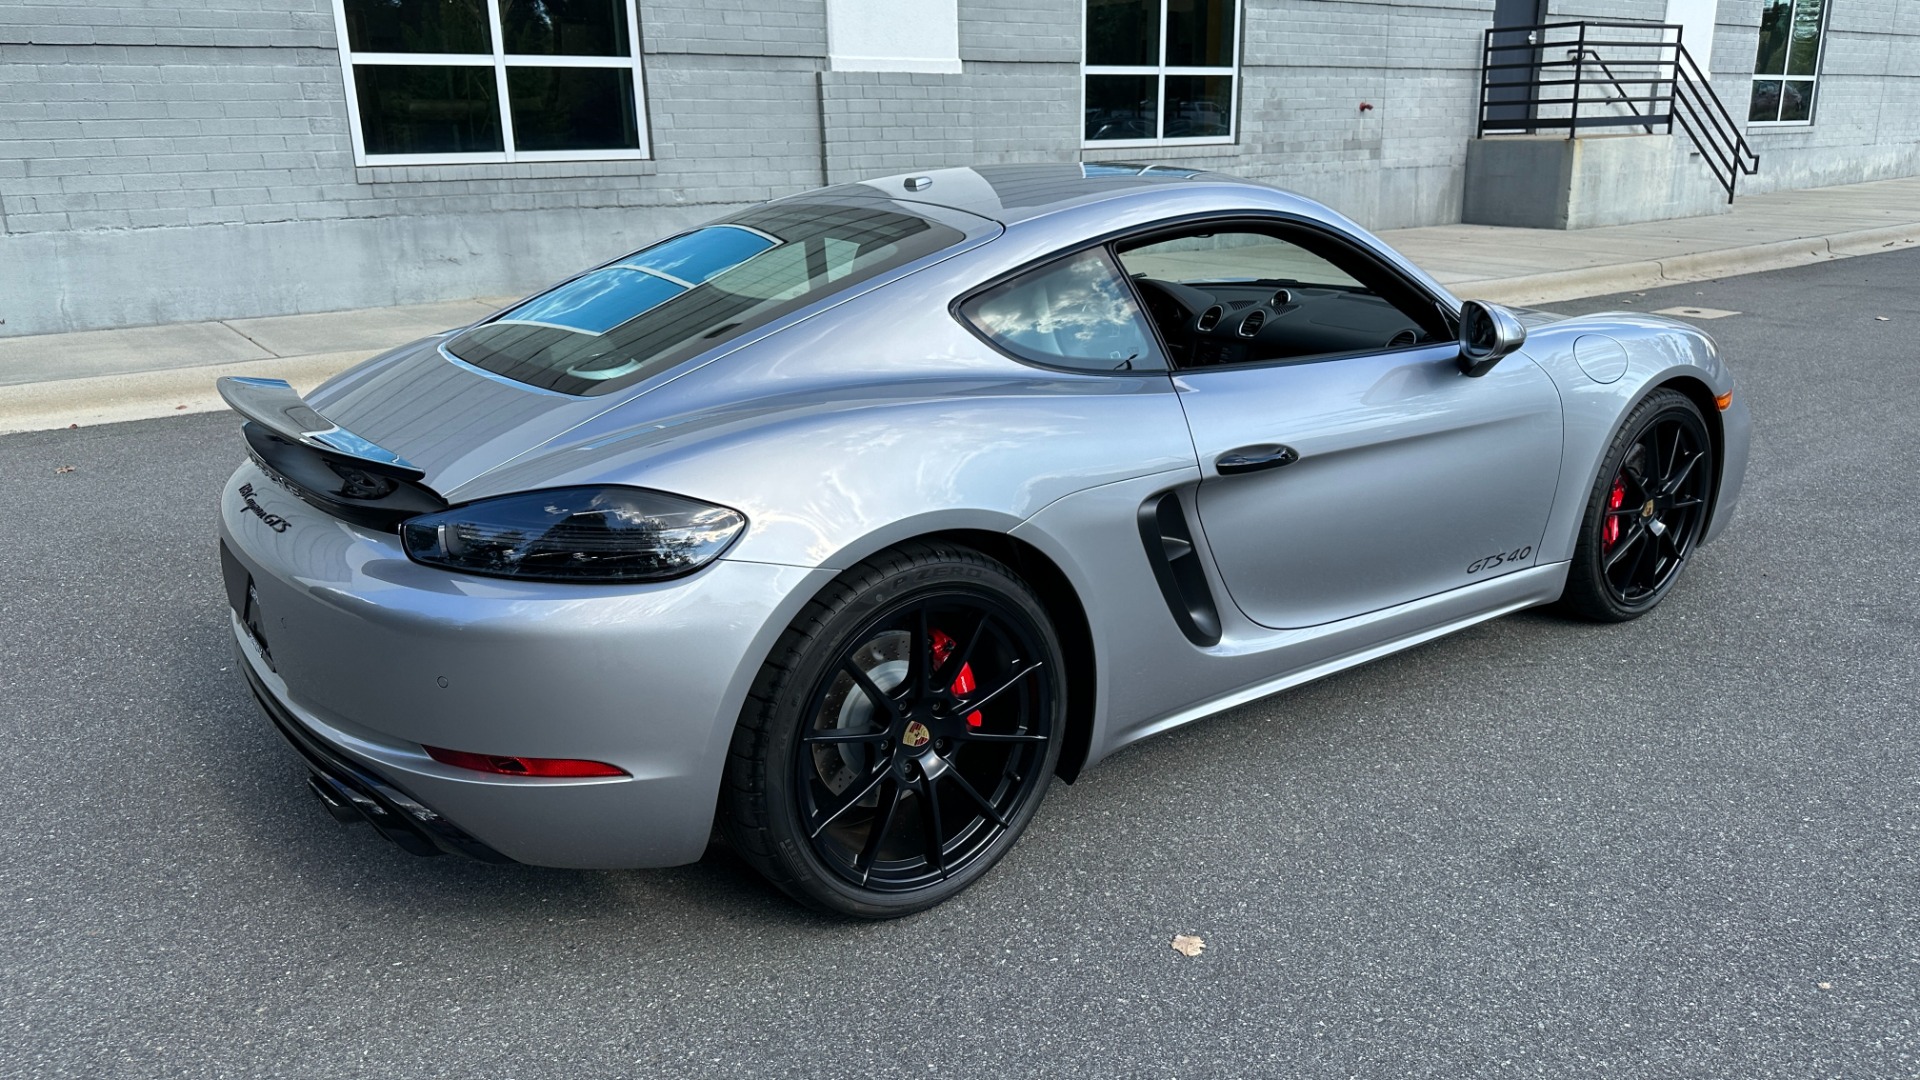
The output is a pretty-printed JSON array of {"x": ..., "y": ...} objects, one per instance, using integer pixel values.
[
  {"x": 573, "y": 117},
  {"x": 1786, "y": 62},
  {"x": 1190, "y": 103}
]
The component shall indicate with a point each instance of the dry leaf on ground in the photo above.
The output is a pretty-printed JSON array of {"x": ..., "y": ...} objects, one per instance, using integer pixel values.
[
  {"x": 64, "y": 469},
  {"x": 1189, "y": 944}
]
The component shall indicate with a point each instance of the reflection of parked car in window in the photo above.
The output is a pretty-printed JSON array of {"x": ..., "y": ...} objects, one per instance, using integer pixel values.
[
  {"x": 1108, "y": 124},
  {"x": 851, "y": 520},
  {"x": 1197, "y": 119}
]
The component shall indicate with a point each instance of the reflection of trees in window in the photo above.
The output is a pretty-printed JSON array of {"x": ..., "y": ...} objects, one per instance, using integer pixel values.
[
  {"x": 565, "y": 27},
  {"x": 1786, "y": 63}
]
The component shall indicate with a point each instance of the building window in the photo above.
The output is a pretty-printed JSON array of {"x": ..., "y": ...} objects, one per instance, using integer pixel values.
[
  {"x": 459, "y": 81},
  {"x": 1161, "y": 72},
  {"x": 1788, "y": 61}
]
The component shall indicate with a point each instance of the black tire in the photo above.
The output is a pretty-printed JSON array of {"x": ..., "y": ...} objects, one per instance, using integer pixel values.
[
  {"x": 1646, "y": 512},
  {"x": 872, "y": 689}
]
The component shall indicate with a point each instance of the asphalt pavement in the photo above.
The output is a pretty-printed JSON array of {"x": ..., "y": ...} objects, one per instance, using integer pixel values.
[{"x": 1680, "y": 847}]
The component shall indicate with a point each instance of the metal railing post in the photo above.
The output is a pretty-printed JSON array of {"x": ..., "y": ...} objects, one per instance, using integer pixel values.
[
  {"x": 1579, "y": 65},
  {"x": 1673, "y": 86}
]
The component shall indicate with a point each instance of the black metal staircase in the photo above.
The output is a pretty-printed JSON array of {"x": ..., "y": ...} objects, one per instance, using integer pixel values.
[{"x": 1591, "y": 75}]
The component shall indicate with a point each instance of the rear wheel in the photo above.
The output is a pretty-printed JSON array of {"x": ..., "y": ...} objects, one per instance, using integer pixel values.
[
  {"x": 1645, "y": 513},
  {"x": 901, "y": 735}
]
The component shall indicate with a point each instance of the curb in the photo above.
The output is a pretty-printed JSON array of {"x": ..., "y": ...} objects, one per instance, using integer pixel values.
[
  {"x": 146, "y": 395},
  {"x": 1678, "y": 269}
]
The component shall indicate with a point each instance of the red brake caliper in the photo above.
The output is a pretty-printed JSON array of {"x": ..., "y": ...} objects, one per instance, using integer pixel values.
[
  {"x": 963, "y": 683},
  {"x": 1610, "y": 532}
]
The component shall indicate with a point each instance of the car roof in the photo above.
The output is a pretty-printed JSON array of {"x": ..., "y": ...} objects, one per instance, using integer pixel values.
[{"x": 1011, "y": 194}]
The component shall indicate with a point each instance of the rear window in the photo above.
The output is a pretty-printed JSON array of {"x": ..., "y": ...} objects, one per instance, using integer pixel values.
[{"x": 625, "y": 321}]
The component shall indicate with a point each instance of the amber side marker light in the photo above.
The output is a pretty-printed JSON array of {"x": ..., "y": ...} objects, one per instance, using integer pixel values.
[
  {"x": 1724, "y": 400},
  {"x": 501, "y": 765}
]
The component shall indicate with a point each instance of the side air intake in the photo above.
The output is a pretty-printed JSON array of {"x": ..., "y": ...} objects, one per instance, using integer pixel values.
[{"x": 1176, "y": 566}]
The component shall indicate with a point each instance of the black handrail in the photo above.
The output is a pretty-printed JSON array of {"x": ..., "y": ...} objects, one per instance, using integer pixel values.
[
  {"x": 1583, "y": 55},
  {"x": 1520, "y": 90}
]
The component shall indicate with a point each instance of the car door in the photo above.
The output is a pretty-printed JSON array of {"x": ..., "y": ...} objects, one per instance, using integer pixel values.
[{"x": 1347, "y": 465}]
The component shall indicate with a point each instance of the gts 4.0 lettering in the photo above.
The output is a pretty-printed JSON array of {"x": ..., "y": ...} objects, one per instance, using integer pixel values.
[{"x": 1520, "y": 554}]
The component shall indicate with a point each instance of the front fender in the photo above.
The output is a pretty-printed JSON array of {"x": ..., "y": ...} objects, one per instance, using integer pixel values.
[{"x": 1658, "y": 352}]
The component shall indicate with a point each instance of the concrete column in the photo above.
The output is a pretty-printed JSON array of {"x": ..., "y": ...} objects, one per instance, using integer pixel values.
[
  {"x": 1697, "y": 17},
  {"x": 894, "y": 35}
]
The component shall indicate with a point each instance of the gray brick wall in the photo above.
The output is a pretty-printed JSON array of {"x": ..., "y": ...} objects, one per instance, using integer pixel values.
[
  {"x": 174, "y": 159},
  {"x": 735, "y": 27},
  {"x": 1020, "y": 31},
  {"x": 885, "y": 122}
]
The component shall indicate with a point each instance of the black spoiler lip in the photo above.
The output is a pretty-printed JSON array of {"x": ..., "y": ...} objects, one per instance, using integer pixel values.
[
  {"x": 277, "y": 407},
  {"x": 324, "y": 464}
]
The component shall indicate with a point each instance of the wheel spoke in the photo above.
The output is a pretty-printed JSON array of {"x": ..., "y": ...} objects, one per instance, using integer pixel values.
[
  {"x": 981, "y": 703},
  {"x": 890, "y": 797},
  {"x": 880, "y": 698},
  {"x": 831, "y": 736},
  {"x": 930, "y": 826},
  {"x": 1671, "y": 541},
  {"x": 1640, "y": 481},
  {"x": 962, "y": 656},
  {"x": 1620, "y": 552},
  {"x": 989, "y": 736},
  {"x": 849, "y": 803},
  {"x": 920, "y": 658},
  {"x": 1633, "y": 569},
  {"x": 1673, "y": 459},
  {"x": 1684, "y": 503},
  {"x": 1686, "y": 470},
  {"x": 954, "y": 775}
]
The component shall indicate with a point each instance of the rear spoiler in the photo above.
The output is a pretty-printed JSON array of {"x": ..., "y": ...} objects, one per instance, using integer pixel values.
[
  {"x": 276, "y": 406},
  {"x": 323, "y": 463}
]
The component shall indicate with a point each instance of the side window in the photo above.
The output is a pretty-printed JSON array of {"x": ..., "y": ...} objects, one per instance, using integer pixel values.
[
  {"x": 1236, "y": 295},
  {"x": 1076, "y": 313}
]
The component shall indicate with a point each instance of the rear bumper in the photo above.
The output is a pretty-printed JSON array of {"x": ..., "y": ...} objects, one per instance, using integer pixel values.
[
  {"x": 372, "y": 657},
  {"x": 352, "y": 792}
]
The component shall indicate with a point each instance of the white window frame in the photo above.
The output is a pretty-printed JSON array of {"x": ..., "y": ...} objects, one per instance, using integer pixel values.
[
  {"x": 1813, "y": 80},
  {"x": 500, "y": 61},
  {"x": 1161, "y": 71}
]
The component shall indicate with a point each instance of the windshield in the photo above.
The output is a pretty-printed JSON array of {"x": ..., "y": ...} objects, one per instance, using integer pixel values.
[{"x": 618, "y": 324}]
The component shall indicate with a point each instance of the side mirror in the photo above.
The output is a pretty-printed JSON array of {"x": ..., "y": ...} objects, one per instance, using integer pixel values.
[{"x": 1487, "y": 333}]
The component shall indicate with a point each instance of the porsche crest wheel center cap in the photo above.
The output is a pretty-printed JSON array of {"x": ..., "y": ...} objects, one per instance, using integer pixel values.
[
  {"x": 916, "y": 735},
  {"x": 1647, "y": 510}
]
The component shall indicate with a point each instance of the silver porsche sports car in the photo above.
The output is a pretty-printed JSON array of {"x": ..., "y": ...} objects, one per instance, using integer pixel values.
[{"x": 848, "y": 522}]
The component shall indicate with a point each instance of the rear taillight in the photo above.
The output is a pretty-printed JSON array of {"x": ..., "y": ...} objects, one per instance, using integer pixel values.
[{"x": 502, "y": 765}]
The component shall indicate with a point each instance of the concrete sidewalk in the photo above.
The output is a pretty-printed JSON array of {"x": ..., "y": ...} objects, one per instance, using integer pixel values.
[{"x": 105, "y": 376}]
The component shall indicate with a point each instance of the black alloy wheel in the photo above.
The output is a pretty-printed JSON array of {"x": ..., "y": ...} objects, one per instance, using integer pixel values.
[
  {"x": 902, "y": 735},
  {"x": 1646, "y": 512}
]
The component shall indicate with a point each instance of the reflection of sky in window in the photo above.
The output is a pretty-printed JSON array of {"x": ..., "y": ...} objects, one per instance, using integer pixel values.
[
  {"x": 596, "y": 302},
  {"x": 699, "y": 255},
  {"x": 1077, "y": 310},
  {"x": 1091, "y": 169}
]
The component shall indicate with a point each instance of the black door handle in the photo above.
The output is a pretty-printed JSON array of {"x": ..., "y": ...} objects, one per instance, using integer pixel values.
[{"x": 1254, "y": 458}]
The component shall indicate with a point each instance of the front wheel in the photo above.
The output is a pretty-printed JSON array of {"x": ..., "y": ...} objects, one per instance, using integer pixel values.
[
  {"x": 1646, "y": 512},
  {"x": 901, "y": 735}
]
